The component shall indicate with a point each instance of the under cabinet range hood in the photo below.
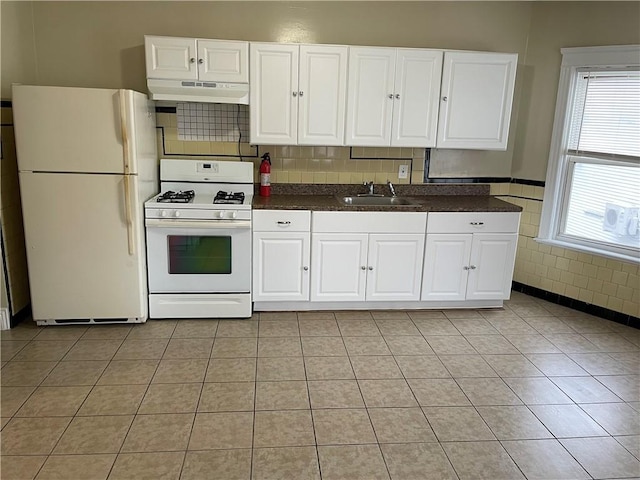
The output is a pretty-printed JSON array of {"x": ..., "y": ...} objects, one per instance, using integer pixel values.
[{"x": 198, "y": 91}]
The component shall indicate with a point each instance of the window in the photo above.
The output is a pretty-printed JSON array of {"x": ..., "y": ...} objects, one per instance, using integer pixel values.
[{"x": 592, "y": 194}]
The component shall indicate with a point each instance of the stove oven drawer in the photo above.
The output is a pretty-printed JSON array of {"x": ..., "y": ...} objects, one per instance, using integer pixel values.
[
  {"x": 281, "y": 220},
  {"x": 199, "y": 257}
]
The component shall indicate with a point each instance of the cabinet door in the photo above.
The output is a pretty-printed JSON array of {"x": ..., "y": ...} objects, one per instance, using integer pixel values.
[
  {"x": 223, "y": 61},
  {"x": 170, "y": 57},
  {"x": 476, "y": 98},
  {"x": 370, "y": 96},
  {"x": 491, "y": 266},
  {"x": 338, "y": 265},
  {"x": 416, "y": 97},
  {"x": 322, "y": 95},
  {"x": 273, "y": 102},
  {"x": 446, "y": 263},
  {"x": 394, "y": 267},
  {"x": 281, "y": 266}
]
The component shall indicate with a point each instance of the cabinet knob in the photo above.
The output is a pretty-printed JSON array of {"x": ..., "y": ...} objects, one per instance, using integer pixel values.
[
  {"x": 295, "y": 94},
  {"x": 391, "y": 95},
  {"x": 370, "y": 268},
  {"x": 444, "y": 99},
  {"x": 200, "y": 61},
  {"x": 192, "y": 60},
  {"x": 465, "y": 268},
  {"x": 397, "y": 95},
  {"x": 363, "y": 268},
  {"x": 472, "y": 267},
  {"x": 301, "y": 93},
  {"x": 305, "y": 268}
]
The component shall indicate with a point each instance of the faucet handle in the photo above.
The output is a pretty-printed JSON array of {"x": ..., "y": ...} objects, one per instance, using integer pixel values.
[{"x": 391, "y": 188}]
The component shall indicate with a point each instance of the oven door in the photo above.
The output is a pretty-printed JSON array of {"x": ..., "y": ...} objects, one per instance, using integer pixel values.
[{"x": 198, "y": 256}]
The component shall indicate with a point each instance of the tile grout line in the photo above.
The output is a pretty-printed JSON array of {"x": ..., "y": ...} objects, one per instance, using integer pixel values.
[
  {"x": 141, "y": 399},
  {"x": 77, "y": 410},
  {"x": 195, "y": 413},
  {"x": 313, "y": 419}
]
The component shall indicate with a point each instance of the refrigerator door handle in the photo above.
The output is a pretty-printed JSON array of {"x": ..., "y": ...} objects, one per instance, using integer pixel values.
[
  {"x": 124, "y": 128},
  {"x": 129, "y": 215}
]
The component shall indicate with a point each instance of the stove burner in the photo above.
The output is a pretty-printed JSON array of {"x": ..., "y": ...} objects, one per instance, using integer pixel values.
[
  {"x": 180, "y": 196},
  {"x": 224, "y": 197}
]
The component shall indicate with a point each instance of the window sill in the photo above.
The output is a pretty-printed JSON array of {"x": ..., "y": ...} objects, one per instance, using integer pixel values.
[{"x": 585, "y": 249}]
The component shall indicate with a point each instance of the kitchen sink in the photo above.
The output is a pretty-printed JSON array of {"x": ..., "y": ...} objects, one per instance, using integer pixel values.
[{"x": 376, "y": 201}]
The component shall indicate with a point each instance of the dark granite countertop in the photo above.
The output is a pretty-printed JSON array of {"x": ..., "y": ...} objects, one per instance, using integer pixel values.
[{"x": 427, "y": 198}]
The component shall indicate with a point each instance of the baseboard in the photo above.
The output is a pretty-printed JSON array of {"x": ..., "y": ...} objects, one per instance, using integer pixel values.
[
  {"x": 579, "y": 305},
  {"x": 5, "y": 319}
]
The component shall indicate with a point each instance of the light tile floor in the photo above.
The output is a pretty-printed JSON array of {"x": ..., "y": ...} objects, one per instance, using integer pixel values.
[{"x": 532, "y": 390}]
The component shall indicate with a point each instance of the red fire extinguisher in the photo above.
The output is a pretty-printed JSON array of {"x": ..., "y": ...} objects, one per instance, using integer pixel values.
[{"x": 265, "y": 176}]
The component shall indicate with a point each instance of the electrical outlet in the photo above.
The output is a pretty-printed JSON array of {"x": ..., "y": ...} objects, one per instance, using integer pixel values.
[{"x": 403, "y": 171}]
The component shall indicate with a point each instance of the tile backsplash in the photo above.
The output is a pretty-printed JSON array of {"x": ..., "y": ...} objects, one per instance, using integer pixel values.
[
  {"x": 213, "y": 122},
  {"x": 210, "y": 131}
]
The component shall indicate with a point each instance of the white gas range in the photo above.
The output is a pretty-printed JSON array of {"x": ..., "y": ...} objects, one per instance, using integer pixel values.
[{"x": 199, "y": 240}]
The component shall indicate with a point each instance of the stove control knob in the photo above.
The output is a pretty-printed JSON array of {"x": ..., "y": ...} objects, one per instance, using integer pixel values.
[
  {"x": 163, "y": 213},
  {"x": 233, "y": 214},
  {"x": 220, "y": 214},
  {"x": 176, "y": 213}
]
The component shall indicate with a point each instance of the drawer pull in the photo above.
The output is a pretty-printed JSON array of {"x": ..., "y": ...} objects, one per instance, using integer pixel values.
[
  {"x": 476, "y": 224},
  {"x": 280, "y": 222}
]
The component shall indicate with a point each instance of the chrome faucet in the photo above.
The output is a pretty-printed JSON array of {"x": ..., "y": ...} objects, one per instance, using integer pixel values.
[
  {"x": 393, "y": 190},
  {"x": 369, "y": 185}
]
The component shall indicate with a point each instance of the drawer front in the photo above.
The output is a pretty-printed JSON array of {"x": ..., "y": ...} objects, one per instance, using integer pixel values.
[
  {"x": 476, "y": 222},
  {"x": 281, "y": 220},
  {"x": 369, "y": 222}
]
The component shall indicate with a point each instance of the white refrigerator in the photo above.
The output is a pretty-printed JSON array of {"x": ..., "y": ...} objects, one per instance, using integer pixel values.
[{"x": 87, "y": 160}]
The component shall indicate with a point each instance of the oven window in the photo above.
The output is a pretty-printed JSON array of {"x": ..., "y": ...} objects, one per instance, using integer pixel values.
[{"x": 200, "y": 254}]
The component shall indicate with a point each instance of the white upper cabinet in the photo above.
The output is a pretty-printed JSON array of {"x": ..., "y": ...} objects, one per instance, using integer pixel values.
[
  {"x": 370, "y": 96},
  {"x": 170, "y": 57},
  {"x": 393, "y": 96},
  {"x": 273, "y": 105},
  {"x": 416, "y": 98},
  {"x": 476, "y": 99},
  {"x": 322, "y": 95},
  {"x": 297, "y": 94},
  {"x": 197, "y": 59}
]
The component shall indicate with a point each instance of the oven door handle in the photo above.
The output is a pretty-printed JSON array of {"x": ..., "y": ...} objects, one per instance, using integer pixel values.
[{"x": 213, "y": 225}]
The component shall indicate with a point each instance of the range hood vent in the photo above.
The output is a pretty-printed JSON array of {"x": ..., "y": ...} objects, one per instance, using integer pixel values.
[{"x": 197, "y": 91}]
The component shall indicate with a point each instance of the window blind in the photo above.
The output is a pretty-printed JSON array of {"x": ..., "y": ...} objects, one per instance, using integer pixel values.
[
  {"x": 596, "y": 187},
  {"x": 606, "y": 113}
]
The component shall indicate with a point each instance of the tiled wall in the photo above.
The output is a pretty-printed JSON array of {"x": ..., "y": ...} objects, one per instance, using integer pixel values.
[
  {"x": 593, "y": 279},
  {"x": 294, "y": 164},
  {"x": 11, "y": 217}
]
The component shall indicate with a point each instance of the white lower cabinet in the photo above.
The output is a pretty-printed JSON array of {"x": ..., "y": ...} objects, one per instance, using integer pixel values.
[
  {"x": 338, "y": 266},
  {"x": 445, "y": 276},
  {"x": 475, "y": 261},
  {"x": 281, "y": 254},
  {"x": 323, "y": 260},
  {"x": 364, "y": 266},
  {"x": 394, "y": 266}
]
